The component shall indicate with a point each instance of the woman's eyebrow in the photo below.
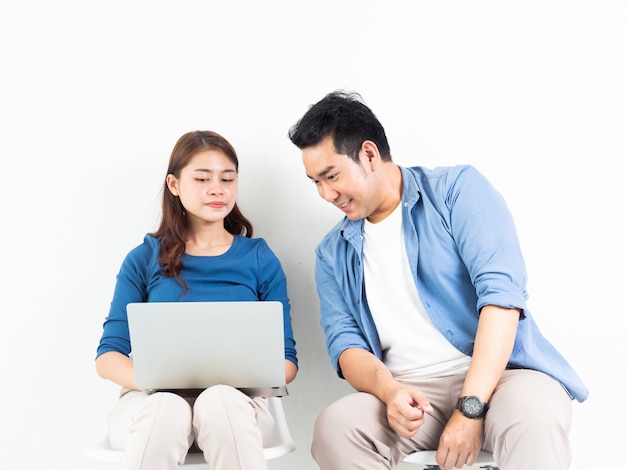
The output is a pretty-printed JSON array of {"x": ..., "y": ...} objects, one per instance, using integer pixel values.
[{"x": 206, "y": 170}]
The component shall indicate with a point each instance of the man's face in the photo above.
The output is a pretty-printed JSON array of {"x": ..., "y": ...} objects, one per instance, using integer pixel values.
[{"x": 348, "y": 185}]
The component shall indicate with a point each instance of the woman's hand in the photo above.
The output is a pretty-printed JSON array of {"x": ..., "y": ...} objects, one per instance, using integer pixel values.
[
  {"x": 290, "y": 371},
  {"x": 118, "y": 368}
]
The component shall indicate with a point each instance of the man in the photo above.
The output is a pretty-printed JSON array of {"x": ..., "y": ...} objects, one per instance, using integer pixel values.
[{"x": 423, "y": 303}]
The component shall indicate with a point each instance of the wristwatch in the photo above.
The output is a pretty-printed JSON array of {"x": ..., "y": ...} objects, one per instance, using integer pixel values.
[{"x": 472, "y": 407}]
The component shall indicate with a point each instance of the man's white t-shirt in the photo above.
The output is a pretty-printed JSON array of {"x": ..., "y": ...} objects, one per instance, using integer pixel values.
[{"x": 413, "y": 348}]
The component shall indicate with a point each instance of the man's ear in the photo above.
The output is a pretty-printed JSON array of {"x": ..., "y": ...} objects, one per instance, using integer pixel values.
[
  {"x": 172, "y": 184},
  {"x": 370, "y": 151}
]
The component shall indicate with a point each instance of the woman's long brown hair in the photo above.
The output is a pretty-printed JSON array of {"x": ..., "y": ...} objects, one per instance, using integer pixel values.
[{"x": 173, "y": 229}]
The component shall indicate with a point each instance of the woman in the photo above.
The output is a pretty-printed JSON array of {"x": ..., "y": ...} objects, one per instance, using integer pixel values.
[{"x": 202, "y": 251}]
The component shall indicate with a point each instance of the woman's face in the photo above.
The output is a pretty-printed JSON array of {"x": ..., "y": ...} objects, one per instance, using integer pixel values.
[{"x": 207, "y": 186}]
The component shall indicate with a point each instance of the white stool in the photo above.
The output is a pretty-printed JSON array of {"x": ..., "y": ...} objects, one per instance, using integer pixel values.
[{"x": 425, "y": 459}]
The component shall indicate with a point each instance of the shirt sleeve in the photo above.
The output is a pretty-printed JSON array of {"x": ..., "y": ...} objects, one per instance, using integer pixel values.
[
  {"x": 273, "y": 286},
  {"x": 130, "y": 286},
  {"x": 341, "y": 324},
  {"x": 485, "y": 234}
]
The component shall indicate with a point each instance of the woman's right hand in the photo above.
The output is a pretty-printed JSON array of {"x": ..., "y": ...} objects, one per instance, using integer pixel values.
[{"x": 118, "y": 368}]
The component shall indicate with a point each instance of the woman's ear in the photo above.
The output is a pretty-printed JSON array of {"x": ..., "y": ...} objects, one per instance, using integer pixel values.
[{"x": 172, "y": 184}]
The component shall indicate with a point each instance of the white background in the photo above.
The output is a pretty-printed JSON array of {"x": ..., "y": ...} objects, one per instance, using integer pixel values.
[{"x": 94, "y": 94}]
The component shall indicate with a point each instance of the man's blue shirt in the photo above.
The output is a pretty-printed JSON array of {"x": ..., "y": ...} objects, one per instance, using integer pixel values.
[{"x": 464, "y": 252}]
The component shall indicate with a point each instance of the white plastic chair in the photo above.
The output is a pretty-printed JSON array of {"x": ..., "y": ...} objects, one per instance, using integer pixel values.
[
  {"x": 426, "y": 460},
  {"x": 281, "y": 443}
]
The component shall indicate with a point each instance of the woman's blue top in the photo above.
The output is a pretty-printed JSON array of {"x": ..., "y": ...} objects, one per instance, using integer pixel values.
[{"x": 248, "y": 271}]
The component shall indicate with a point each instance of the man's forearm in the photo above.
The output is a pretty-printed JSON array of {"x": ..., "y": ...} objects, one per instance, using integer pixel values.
[
  {"x": 366, "y": 373},
  {"x": 495, "y": 337}
]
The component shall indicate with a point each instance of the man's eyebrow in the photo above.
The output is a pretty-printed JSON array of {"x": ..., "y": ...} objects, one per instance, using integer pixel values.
[{"x": 324, "y": 172}]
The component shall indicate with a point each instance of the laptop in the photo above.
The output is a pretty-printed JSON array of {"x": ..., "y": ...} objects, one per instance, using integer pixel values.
[{"x": 194, "y": 345}]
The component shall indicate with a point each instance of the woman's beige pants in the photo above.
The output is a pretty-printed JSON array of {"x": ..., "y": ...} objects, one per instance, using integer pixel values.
[{"x": 156, "y": 431}]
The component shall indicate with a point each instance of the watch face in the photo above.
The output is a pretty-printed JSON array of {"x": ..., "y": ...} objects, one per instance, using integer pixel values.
[{"x": 472, "y": 406}]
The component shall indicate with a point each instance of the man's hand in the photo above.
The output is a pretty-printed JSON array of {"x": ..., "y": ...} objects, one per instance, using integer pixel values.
[
  {"x": 406, "y": 407},
  {"x": 460, "y": 442}
]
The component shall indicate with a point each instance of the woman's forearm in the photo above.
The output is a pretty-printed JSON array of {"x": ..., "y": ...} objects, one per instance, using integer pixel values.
[{"x": 117, "y": 368}]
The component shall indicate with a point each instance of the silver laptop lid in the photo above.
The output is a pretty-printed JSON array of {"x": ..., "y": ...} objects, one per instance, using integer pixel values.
[{"x": 194, "y": 345}]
